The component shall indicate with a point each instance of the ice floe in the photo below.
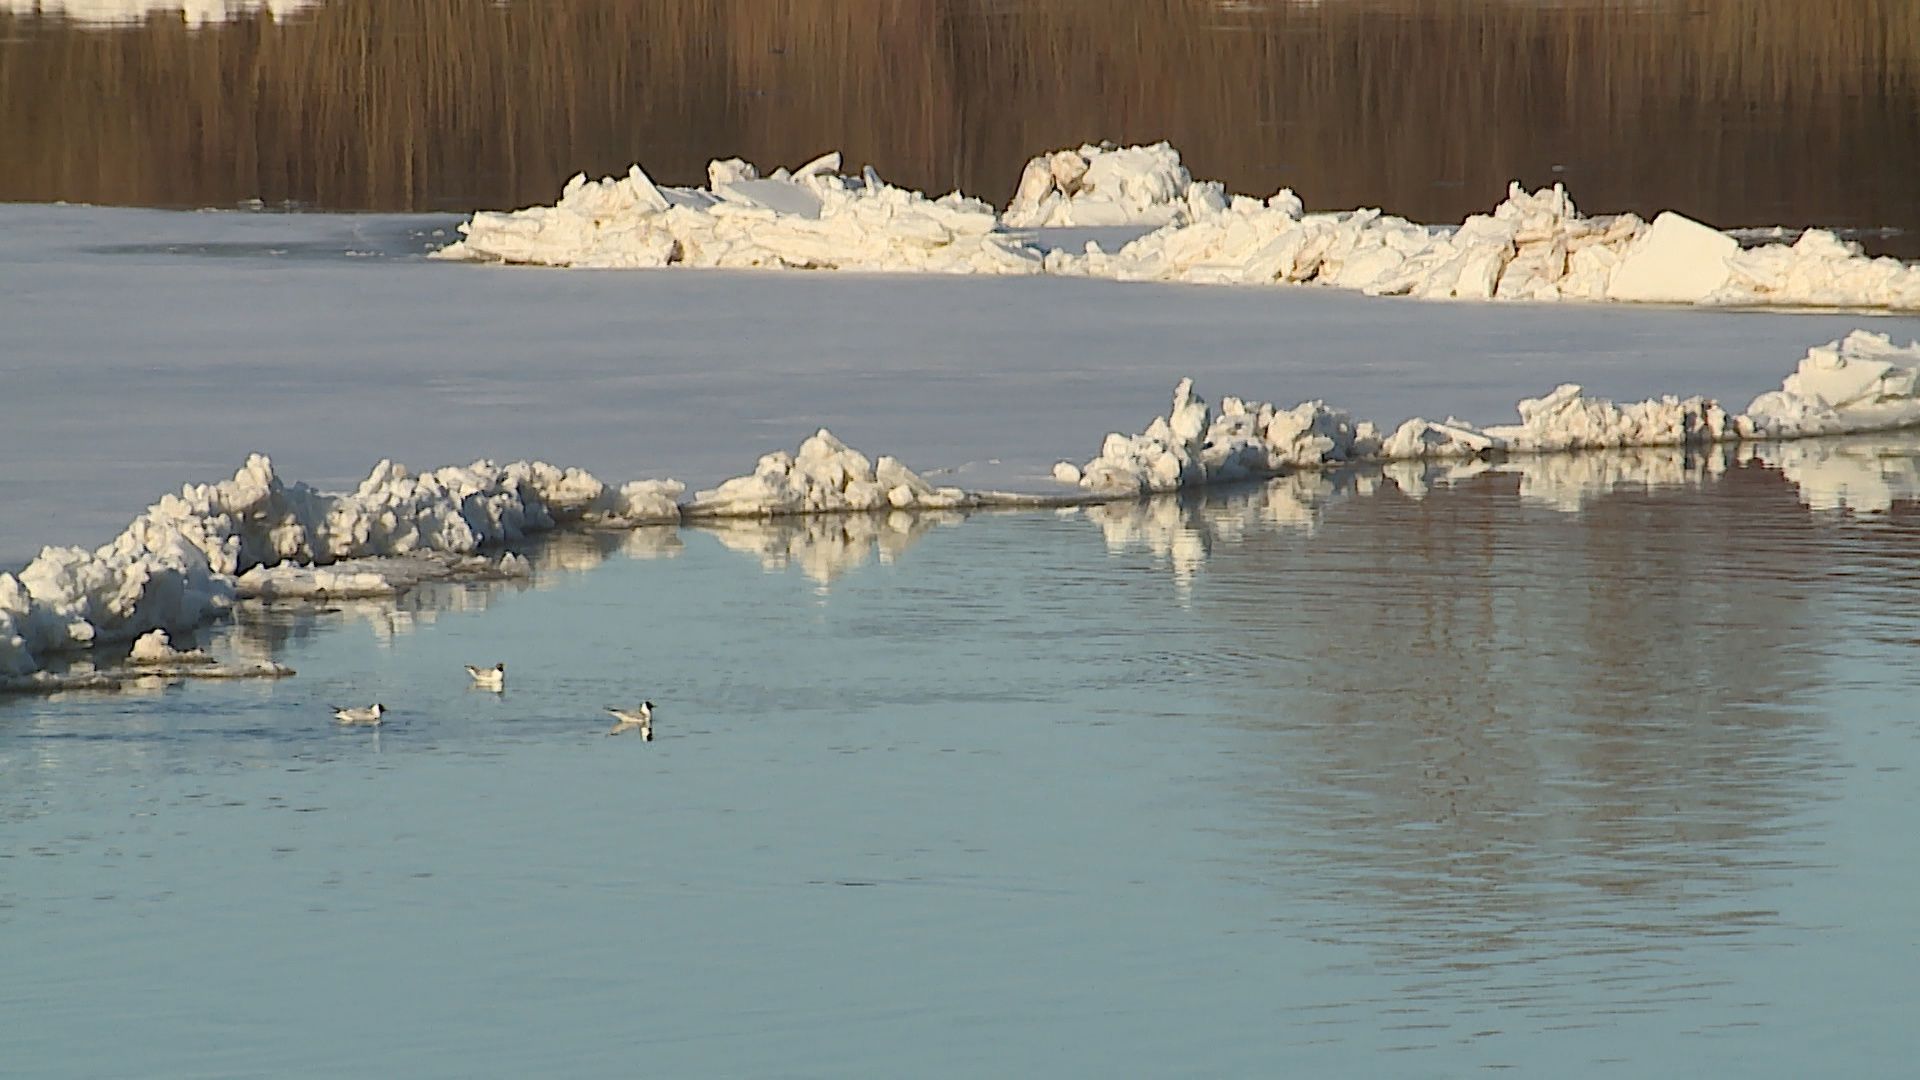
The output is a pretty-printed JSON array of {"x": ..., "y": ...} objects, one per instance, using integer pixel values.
[
  {"x": 156, "y": 647},
  {"x": 1107, "y": 185},
  {"x": 1532, "y": 246},
  {"x": 1863, "y": 382},
  {"x": 823, "y": 476},
  {"x": 195, "y": 12},
  {"x": 153, "y": 663},
  {"x": 359, "y": 579},
  {"x": 137, "y": 677},
  {"x": 1191, "y": 446},
  {"x": 1860, "y": 383},
  {"x": 188, "y": 557},
  {"x": 813, "y": 218},
  {"x": 1566, "y": 419}
]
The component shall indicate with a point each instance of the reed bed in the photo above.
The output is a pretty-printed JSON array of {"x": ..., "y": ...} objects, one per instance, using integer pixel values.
[{"x": 1739, "y": 111}]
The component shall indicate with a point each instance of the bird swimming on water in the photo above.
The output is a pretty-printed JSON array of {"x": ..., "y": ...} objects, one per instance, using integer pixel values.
[
  {"x": 640, "y": 720},
  {"x": 493, "y": 678},
  {"x": 367, "y": 717}
]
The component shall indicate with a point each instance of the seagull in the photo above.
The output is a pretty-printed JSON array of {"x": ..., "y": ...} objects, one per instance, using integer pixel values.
[
  {"x": 640, "y": 720},
  {"x": 367, "y": 717},
  {"x": 493, "y": 678}
]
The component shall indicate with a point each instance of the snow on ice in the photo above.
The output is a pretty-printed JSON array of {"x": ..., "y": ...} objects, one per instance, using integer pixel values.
[
  {"x": 1861, "y": 383},
  {"x": 1532, "y": 246},
  {"x": 1107, "y": 185},
  {"x": 824, "y": 476},
  {"x": 813, "y": 218},
  {"x": 189, "y": 556}
]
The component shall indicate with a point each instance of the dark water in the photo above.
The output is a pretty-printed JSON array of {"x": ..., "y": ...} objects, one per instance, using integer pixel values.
[
  {"x": 1598, "y": 769},
  {"x": 1739, "y": 112}
]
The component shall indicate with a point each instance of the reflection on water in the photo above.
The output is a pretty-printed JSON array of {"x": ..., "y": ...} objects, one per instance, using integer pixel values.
[
  {"x": 1755, "y": 112},
  {"x": 1501, "y": 726},
  {"x": 1862, "y": 475},
  {"x": 827, "y": 547},
  {"x": 1552, "y": 764}
]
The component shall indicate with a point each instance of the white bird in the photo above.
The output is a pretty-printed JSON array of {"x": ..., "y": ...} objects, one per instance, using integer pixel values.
[
  {"x": 493, "y": 678},
  {"x": 367, "y": 717},
  {"x": 640, "y": 720}
]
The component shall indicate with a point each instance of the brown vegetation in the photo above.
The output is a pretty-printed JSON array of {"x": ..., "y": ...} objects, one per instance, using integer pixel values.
[{"x": 1740, "y": 111}]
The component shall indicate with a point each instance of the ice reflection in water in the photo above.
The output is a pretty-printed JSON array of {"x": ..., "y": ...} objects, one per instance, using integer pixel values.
[
  {"x": 1862, "y": 475},
  {"x": 826, "y": 547},
  {"x": 1553, "y": 764}
]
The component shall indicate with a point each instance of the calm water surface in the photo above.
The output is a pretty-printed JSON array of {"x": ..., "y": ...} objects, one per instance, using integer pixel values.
[
  {"x": 1605, "y": 768},
  {"x": 1738, "y": 112}
]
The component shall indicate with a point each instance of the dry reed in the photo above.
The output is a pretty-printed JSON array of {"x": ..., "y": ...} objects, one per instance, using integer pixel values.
[{"x": 1736, "y": 110}]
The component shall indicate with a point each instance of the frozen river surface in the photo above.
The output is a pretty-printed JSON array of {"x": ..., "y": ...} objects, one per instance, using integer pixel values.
[{"x": 1317, "y": 779}]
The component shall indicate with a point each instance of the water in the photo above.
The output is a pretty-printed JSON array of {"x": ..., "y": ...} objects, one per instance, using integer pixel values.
[
  {"x": 1748, "y": 113},
  {"x": 1573, "y": 776}
]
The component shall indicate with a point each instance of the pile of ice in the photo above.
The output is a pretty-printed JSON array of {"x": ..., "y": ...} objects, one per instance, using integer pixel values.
[
  {"x": 184, "y": 560},
  {"x": 152, "y": 663},
  {"x": 1534, "y": 246},
  {"x": 813, "y": 218},
  {"x": 1531, "y": 247},
  {"x": 191, "y": 556},
  {"x": 155, "y": 648},
  {"x": 1191, "y": 446},
  {"x": 1566, "y": 419},
  {"x": 1108, "y": 185},
  {"x": 1861, "y": 383},
  {"x": 195, "y": 12},
  {"x": 823, "y": 476},
  {"x": 359, "y": 579}
]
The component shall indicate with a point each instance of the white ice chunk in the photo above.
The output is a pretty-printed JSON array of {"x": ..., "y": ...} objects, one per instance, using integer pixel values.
[
  {"x": 1106, "y": 185},
  {"x": 1860, "y": 383},
  {"x": 809, "y": 219},
  {"x": 1190, "y": 446},
  {"x": 196, "y": 13},
  {"x": 1676, "y": 261},
  {"x": 155, "y": 647},
  {"x": 188, "y": 556},
  {"x": 823, "y": 476},
  {"x": 1532, "y": 246}
]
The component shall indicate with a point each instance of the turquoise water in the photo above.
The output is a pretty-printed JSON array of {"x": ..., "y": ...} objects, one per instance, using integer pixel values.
[{"x": 1319, "y": 778}]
